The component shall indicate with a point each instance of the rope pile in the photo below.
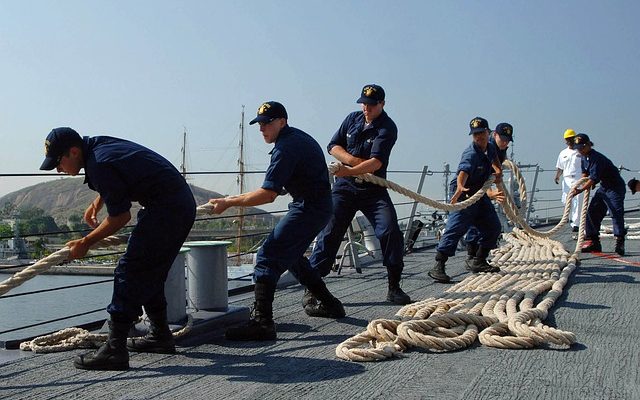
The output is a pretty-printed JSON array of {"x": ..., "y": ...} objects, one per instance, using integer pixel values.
[{"x": 498, "y": 309}]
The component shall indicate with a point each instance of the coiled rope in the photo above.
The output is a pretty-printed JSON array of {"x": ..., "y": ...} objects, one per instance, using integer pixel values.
[{"x": 498, "y": 309}]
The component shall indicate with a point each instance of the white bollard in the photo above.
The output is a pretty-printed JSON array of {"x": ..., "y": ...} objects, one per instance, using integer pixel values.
[
  {"x": 207, "y": 275},
  {"x": 175, "y": 289}
]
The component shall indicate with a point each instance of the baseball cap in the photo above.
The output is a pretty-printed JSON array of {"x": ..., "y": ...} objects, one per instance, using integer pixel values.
[
  {"x": 269, "y": 111},
  {"x": 632, "y": 185},
  {"x": 478, "y": 125},
  {"x": 371, "y": 94},
  {"x": 56, "y": 144},
  {"x": 505, "y": 130},
  {"x": 581, "y": 140}
]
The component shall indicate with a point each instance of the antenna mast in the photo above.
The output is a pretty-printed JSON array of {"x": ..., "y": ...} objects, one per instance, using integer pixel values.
[
  {"x": 183, "y": 166},
  {"x": 240, "y": 181}
]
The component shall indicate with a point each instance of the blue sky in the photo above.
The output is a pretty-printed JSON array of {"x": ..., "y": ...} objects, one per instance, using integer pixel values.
[{"x": 145, "y": 70}]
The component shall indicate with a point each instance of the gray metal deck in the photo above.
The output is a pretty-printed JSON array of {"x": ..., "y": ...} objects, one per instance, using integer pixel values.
[{"x": 599, "y": 305}]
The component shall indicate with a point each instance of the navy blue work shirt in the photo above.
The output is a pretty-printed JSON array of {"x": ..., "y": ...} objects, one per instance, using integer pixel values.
[
  {"x": 123, "y": 171},
  {"x": 478, "y": 165},
  {"x": 297, "y": 166},
  {"x": 376, "y": 141},
  {"x": 601, "y": 170}
]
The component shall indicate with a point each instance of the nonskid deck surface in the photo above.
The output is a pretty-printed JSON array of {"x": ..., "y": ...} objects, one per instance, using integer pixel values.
[{"x": 599, "y": 305}]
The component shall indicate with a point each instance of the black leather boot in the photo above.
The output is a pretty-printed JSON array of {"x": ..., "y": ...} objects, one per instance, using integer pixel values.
[
  {"x": 308, "y": 298},
  {"x": 594, "y": 246},
  {"x": 327, "y": 305},
  {"x": 619, "y": 245},
  {"x": 395, "y": 294},
  {"x": 112, "y": 355},
  {"x": 479, "y": 262},
  {"x": 261, "y": 326},
  {"x": 158, "y": 340},
  {"x": 472, "y": 249},
  {"x": 437, "y": 272}
]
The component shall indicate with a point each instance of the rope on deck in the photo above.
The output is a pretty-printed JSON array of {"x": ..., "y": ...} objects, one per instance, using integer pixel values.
[
  {"x": 498, "y": 309},
  {"x": 73, "y": 338}
]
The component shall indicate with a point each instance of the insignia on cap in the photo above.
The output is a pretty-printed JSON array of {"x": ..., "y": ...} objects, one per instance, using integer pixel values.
[
  {"x": 369, "y": 91},
  {"x": 46, "y": 147},
  {"x": 475, "y": 123},
  {"x": 263, "y": 108},
  {"x": 507, "y": 130}
]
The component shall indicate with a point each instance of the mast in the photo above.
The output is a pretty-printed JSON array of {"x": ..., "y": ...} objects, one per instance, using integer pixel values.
[
  {"x": 183, "y": 166},
  {"x": 240, "y": 181}
]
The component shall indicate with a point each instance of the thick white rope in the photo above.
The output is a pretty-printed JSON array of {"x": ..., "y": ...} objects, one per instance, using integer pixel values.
[{"x": 498, "y": 309}]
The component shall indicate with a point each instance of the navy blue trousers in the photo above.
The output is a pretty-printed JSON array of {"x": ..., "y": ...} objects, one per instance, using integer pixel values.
[
  {"x": 285, "y": 247},
  {"x": 377, "y": 207},
  {"x": 603, "y": 199},
  {"x": 153, "y": 246},
  {"x": 482, "y": 215}
]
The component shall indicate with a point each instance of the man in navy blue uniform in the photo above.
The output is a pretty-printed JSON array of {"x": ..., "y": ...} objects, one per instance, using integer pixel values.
[
  {"x": 610, "y": 195},
  {"x": 121, "y": 172},
  {"x": 477, "y": 164},
  {"x": 363, "y": 145},
  {"x": 299, "y": 168},
  {"x": 500, "y": 138}
]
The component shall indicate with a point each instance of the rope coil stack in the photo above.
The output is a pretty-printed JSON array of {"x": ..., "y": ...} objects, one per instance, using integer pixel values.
[{"x": 498, "y": 309}]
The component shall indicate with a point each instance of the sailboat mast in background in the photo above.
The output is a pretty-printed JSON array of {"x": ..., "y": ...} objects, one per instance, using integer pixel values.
[{"x": 240, "y": 181}]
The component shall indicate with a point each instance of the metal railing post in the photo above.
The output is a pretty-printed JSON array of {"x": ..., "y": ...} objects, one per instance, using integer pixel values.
[
  {"x": 407, "y": 232},
  {"x": 533, "y": 190}
]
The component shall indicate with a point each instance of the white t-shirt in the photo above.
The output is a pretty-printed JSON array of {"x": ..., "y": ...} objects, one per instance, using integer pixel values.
[{"x": 570, "y": 162}]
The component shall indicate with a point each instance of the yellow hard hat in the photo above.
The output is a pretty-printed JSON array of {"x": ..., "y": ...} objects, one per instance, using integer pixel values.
[{"x": 569, "y": 133}]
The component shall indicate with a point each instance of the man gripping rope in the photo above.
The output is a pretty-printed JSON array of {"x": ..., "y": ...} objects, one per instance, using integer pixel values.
[{"x": 121, "y": 172}]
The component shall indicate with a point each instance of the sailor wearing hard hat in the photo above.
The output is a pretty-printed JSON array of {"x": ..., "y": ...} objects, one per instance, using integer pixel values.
[{"x": 569, "y": 167}]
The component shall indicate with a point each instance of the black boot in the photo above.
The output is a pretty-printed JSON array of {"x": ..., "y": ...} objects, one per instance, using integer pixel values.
[
  {"x": 395, "y": 294},
  {"x": 437, "y": 272},
  {"x": 479, "y": 262},
  {"x": 619, "y": 245},
  {"x": 261, "y": 326},
  {"x": 472, "y": 249},
  {"x": 328, "y": 306},
  {"x": 594, "y": 246},
  {"x": 308, "y": 298},
  {"x": 111, "y": 356},
  {"x": 158, "y": 340}
]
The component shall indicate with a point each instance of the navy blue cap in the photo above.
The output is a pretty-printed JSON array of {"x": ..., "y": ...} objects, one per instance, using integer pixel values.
[
  {"x": 371, "y": 94},
  {"x": 505, "y": 130},
  {"x": 58, "y": 142},
  {"x": 478, "y": 125},
  {"x": 269, "y": 111},
  {"x": 581, "y": 140}
]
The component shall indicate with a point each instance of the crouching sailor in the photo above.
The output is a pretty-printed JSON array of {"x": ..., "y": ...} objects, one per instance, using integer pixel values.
[
  {"x": 297, "y": 167},
  {"x": 477, "y": 164},
  {"x": 121, "y": 172}
]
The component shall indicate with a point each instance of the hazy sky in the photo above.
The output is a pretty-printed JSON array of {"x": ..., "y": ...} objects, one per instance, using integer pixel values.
[{"x": 146, "y": 70}]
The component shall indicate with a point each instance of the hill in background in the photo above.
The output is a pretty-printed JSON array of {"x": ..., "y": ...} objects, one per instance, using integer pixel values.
[{"x": 65, "y": 197}]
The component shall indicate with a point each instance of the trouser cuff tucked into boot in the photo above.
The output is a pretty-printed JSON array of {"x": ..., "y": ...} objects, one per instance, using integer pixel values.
[
  {"x": 619, "y": 245},
  {"x": 479, "y": 262},
  {"x": 158, "y": 340},
  {"x": 261, "y": 327},
  {"x": 112, "y": 355},
  {"x": 326, "y": 306},
  {"x": 437, "y": 272},
  {"x": 395, "y": 294}
]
